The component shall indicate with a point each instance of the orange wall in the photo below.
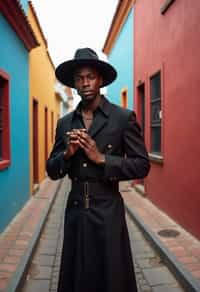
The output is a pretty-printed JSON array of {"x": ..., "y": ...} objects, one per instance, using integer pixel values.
[{"x": 42, "y": 79}]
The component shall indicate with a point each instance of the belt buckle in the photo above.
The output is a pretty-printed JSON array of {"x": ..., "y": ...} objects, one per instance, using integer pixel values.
[{"x": 86, "y": 195}]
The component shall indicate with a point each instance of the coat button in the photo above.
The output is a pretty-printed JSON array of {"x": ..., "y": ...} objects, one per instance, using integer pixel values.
[
  {"x": 109, "y": 146},
  {"x": 75, "y": 203},
  {"x": 84, "y": 164}
]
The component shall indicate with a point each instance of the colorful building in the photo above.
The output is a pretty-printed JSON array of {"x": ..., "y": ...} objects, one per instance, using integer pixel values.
[
  {"x": 65, "y": 94},
  {"x": 17, "y": 40},
  {"x": 166, "y": 84},
  {"x": 119, "y": 48},
  {"x": 44, "y": 103}
]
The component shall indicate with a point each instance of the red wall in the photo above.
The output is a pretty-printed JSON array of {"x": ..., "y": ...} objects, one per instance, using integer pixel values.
[{"x": 171, "y": 43}]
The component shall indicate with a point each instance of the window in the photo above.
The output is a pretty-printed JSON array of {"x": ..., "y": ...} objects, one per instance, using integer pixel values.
[
  {"x": 155, "y": 91},
  {"x": 124, "y": 98},
  {"x": 4, "y": 121}
]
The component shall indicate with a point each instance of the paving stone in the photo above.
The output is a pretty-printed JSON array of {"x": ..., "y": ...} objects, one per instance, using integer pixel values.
[
  {"x": 48, "y": 251},
  {"x": 49, "y": 243},
  {"x": 166, "y": 289},
  {"x": 144, "y": 255},
  {"x": 44, "y": 260},
  {"x": 156, "y": 276},
  {"x": 37, "y": 286},
  {"x": 40, "y": 272},
  {"x": 54, "y": 287},
  {"x": 144, "y": 263},
  {"x": 8, "y": 267},
  {"x": 145, "y": 288}
]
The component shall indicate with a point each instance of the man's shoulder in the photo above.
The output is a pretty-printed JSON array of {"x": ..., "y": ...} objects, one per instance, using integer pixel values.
[
  {"x": 120, "y": 110},
  {"x": 66, "y": 118}
]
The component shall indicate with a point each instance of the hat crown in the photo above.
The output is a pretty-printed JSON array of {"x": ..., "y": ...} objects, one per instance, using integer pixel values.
[
  {"x": 85, "y": 54},
  {"x": 85, "y": 57}
]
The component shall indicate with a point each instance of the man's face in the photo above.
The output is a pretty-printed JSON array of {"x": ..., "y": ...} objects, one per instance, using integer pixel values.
[{"x": 87, "y": 81}]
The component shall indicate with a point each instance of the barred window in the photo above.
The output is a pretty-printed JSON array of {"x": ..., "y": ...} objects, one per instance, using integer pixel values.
[{"x": 155, "y": 89}]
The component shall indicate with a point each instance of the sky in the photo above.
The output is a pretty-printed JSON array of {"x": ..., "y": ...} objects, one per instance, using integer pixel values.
[{"x": 72, "y": 24}]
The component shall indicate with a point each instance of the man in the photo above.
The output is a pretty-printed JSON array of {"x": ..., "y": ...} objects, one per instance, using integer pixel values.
[{"x": 97, "y": 145}]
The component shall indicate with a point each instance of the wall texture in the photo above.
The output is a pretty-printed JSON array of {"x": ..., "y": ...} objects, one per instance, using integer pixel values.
[
  {"x": 14, "y": 180},
  {"x": 42, "y": 80},
  {"x": 170, "y": 43},
  {"x": 121, "y": 57}
]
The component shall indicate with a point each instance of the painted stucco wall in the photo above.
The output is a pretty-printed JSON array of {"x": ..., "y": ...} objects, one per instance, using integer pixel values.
[
  {"x": 121, "y": 57},
  {"x": 14, "y": 181},
  {"x": 42, "y": 80},
  {"x": 169, "y": 43}
]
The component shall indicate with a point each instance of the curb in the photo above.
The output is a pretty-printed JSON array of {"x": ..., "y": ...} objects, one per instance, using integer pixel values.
[
  {"x": 18, "y": 277},
  {"x": 183, "y": 275}
]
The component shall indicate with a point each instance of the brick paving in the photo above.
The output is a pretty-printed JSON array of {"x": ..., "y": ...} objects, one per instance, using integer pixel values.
[
  {"x": 14, "y": 241},
  {"x": 184, "y": 247},
  {"x": 43, "y": 272}
]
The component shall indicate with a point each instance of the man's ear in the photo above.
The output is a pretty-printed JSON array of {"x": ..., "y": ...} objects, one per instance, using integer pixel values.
[{"x": 101, "y": 81}]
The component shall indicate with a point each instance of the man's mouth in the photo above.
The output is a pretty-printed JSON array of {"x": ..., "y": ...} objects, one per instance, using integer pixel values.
[{"x": 87, "y": 92}]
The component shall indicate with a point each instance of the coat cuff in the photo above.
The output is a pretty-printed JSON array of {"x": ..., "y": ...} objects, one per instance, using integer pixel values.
[{"x": 112, "y": 169}]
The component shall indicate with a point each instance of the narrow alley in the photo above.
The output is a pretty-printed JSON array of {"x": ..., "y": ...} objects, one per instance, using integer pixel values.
[{"x": 152, "y": 274}]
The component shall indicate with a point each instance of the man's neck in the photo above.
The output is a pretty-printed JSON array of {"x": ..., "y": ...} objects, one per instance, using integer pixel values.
[{"x": 91, "y": 106}]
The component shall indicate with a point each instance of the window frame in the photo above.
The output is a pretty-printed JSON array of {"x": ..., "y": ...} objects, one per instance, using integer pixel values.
[
  {"x": 156, "y": 155},
  {"x": 124, "y": 97},
  {"x": 6, "y": 157}
]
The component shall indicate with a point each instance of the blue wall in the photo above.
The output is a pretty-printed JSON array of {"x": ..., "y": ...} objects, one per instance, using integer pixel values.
[
  {"x": 24, "y": 4},
  {"x": 121, "y": 57},
  {"x": 14, "y": 181}
]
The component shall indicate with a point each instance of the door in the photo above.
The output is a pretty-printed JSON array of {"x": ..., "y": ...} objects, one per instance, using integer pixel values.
[
  {"x": 46, "y": 135},
  {"x": 35, "y": 142}
]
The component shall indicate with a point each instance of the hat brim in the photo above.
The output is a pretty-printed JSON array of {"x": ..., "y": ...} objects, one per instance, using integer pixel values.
[{"x": 65, "y": 71}]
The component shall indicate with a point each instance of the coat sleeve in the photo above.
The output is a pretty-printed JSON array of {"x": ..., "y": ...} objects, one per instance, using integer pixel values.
[
  {"x": 135, "y": 164},
  {"x": 56, "y": 166}
]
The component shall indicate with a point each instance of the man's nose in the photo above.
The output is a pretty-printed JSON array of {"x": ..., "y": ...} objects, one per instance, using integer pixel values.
[{"x": 85, "y": 82}]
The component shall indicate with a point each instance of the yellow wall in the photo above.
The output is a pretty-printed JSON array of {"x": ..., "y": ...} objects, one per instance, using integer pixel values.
[{"x": 42, "y": 79}]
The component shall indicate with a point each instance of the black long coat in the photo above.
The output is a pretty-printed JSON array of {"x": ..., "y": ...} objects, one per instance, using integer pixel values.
[{"x": 96, "y": 254}]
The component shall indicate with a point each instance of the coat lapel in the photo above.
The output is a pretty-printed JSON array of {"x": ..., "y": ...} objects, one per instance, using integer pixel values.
[
  {"x": 101, "y": 119},
  {"x": 99, "y": 122}
]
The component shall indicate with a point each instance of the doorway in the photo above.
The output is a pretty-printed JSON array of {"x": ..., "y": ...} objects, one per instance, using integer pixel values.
[{"x": 35, "y": 143}]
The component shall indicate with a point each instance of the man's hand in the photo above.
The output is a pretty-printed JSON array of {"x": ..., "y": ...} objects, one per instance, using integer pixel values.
[
  {"x": 90, "y": 148},
  {"x": 73, "y": 142}
]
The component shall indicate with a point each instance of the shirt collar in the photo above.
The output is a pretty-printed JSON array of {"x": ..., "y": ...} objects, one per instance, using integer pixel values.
[{"x": 103, "y": 107}]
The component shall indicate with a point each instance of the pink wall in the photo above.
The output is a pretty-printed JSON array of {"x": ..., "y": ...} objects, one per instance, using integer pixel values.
[{"x": 171, "y": 43}]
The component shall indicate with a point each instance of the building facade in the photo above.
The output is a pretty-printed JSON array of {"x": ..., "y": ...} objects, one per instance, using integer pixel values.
[
  {"x": 18, "y": 40},
  {"x": 44, "y": 103},
  {"x": 119, "y": 49},
  {"x": 166, "y": 84}
]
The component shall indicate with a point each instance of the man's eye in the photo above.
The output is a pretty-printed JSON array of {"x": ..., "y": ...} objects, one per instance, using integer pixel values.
[
  {"x": 91, "y": 77},
  {"x": 77, "y": 79}
]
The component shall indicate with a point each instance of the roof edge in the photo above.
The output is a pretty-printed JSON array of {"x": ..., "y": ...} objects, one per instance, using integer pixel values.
[
  {"x": 15, "y": 15},
  {"x": 119, "y": 18}
]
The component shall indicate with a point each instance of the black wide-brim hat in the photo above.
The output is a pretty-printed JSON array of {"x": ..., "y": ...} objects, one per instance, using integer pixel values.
[{"x": 85, "y": 56}]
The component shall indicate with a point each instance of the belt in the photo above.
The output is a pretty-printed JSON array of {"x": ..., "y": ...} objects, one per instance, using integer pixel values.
[{"x": 90, "y": 188}]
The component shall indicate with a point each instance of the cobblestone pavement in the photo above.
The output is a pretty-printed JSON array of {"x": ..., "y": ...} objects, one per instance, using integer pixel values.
[{"x": 152, "y": 274}]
